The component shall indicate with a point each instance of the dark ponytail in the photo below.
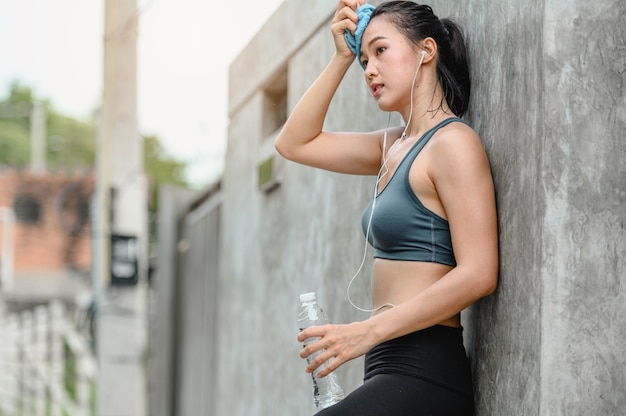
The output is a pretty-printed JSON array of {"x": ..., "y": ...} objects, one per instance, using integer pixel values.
[
  {"x": 417, "y": 21},
  {"x": 453, "y": 69}
]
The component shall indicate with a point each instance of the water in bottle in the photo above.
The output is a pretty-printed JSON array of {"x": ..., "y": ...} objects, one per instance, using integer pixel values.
[{"x": 326, "y": 390}]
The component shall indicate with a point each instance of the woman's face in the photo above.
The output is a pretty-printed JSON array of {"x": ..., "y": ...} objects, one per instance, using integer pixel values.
[{"x": 390, "y": 62}]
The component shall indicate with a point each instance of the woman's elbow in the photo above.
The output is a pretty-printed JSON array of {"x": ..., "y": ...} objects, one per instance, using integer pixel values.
[
  {"x": 286, "y": 145},
  {"x": 281, "y": 148},
  {"x": 483, "y": 280},
  {"x": 489, "y": 285},
  {"x": 488, "y": 282}
]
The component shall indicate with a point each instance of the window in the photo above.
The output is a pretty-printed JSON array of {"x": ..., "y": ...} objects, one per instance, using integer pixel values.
[
  {"x": 27, "y": 209},
  {"x": 275, "y": 104}
]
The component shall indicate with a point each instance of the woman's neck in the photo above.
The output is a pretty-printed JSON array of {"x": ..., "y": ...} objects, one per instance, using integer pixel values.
[
  {"x": 428, "y": 105},
  {"x": 428, "y": 110}
]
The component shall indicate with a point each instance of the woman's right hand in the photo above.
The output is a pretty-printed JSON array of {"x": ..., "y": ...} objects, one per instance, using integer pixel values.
[{"x": 345, "y": 18}]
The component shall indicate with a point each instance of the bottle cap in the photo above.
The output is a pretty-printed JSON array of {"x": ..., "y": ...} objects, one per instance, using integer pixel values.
[{"x": 307, "y": 297}]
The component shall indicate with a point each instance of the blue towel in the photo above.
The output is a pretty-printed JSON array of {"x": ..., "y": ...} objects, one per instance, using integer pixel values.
[{"x": 364, "y": 12}]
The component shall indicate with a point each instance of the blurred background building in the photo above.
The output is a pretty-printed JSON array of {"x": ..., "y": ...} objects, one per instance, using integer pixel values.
[
  {"x": 51, "y": 241},
  {"x": 80, "y": 182}
]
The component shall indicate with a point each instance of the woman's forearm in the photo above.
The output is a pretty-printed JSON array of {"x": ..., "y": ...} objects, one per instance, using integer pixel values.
[{"x": 444, "y": 299}]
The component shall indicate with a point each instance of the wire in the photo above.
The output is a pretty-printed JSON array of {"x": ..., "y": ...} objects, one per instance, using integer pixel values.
[
  {"x": 369, "y": 223},
  {"x": 380, "y": 175},
  {"x": 419, "y": 65}
]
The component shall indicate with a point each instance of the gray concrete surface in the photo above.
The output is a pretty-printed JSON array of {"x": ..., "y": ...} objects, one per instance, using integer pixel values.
[
  {"x": 165, "y": 300},
  {"x": 548, "y": 101},
  {"x": 583, "y": 173}
]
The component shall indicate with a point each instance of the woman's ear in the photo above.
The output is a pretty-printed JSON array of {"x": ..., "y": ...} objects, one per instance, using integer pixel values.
[{"x": 430, "y": 47}]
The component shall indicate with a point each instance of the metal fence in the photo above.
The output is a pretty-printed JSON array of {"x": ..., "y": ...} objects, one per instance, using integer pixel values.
[{"x": 46, "y": 367}]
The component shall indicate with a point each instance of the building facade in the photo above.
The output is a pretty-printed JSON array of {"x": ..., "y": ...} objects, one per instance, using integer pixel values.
[{"x": 51, "y": 236}]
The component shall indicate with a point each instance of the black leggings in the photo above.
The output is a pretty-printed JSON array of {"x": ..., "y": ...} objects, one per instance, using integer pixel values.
[{"x": 419, "y": 374}]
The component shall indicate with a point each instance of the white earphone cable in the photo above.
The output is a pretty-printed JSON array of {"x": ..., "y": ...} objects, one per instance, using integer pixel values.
[{"x": 380, "y": 175}]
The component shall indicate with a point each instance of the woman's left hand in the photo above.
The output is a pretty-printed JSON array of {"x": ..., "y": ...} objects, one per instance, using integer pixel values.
[{"x": 341, "y": 343}]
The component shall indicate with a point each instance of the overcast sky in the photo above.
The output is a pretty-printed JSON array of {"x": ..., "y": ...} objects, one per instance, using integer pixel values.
[{"x": 184, "y": 50}]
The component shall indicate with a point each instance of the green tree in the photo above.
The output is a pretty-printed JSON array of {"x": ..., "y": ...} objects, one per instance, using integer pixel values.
[
  {"x": 71, "y": 143},
  {"x": 161, "y": 168},
  {"x": 15, "y": 126},
  {"x": 14, "y": 143}
]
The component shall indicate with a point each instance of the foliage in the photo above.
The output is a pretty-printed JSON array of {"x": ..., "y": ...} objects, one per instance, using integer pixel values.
[
  {"x": 71, "y": 143},
  {"x": 14, "y": 143},
  {"x": 161, "y": 168}
]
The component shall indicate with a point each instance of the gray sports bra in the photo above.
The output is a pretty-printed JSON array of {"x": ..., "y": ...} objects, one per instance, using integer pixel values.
[{"x": 402, "y": 228}]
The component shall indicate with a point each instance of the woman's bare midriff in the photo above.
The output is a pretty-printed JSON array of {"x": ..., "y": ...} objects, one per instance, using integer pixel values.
[{"x": 396, "y": 282}]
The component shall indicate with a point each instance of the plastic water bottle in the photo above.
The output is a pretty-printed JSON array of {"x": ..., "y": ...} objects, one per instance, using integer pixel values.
[{"x": 326, "y": 390}]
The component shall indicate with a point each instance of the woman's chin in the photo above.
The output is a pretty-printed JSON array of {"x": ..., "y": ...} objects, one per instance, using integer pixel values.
[{"x": 384, "y": 106}]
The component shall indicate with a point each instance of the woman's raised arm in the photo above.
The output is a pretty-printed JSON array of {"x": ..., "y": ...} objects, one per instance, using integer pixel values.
[{"x": 302, "y": 139}]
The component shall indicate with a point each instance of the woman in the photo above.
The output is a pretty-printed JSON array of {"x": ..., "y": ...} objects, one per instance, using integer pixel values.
[{"x": 432, "y": 222}]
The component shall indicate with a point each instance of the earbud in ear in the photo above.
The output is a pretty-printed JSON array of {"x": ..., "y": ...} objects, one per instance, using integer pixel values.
[{"x": 424, "y": 53}]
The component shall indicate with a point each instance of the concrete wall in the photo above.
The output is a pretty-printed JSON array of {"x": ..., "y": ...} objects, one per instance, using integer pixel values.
[
  {"x": 504, "y": 330},
  {"x": 583, "y": 172},
  {"x": 548, "y": 101},
  {"x": 304, "y": 235}
]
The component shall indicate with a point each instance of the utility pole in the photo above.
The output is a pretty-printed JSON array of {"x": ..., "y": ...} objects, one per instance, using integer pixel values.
[
  {"x": 37, "y": 139},
  {"x": 121, "y": 211}
]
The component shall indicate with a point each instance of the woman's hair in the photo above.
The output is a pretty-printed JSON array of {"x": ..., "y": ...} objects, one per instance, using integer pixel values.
[{"x": 417, "y": 21}]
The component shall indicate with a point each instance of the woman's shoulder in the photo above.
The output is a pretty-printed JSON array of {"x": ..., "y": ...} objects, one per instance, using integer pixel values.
[
  {"x": 456, "y": 135},
  {"x": 457, "y": 146}
]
